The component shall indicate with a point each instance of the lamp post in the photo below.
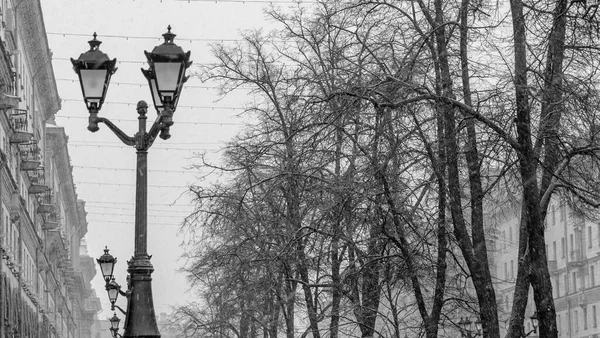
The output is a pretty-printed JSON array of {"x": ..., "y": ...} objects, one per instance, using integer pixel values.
[{"x": 166, "y": 75}]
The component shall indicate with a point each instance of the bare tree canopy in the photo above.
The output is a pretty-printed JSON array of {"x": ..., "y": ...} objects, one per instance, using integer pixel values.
[{"x": 388, "y": 134}]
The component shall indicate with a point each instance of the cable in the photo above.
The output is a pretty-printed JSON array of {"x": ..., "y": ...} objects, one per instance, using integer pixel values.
[
  {"x": 135, "y": 104},
  {"x": 211, "y": 150},
  {"x": 146, "y": 84},
  {"x": 298, "y": 2},
  {"x": 128, "y": 223},
  {"x": 127, "y": 37},
  {"x": 178, "y": 122},
  {"x": 133, "y": 209},
  {"x": 130, "y": 214},
  {"x": 133, "y": 185},
  {"x": 132, "y": 203},
  {"x": 114, "y": 142},
  {"x": 133, "y": 169}
]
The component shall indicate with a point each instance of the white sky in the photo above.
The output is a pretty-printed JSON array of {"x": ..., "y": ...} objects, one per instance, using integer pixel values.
[{"x": 103, "y": 168}]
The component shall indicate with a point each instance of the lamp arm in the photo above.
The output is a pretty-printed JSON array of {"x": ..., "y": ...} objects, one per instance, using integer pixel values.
[
  {"x": 125, "y": 293},
  {"x": 162, "y": 123},
  {"x": 113, "y": 306},
  {"x": 128, "y": 140},
  {"x": 157, "y": 126}
]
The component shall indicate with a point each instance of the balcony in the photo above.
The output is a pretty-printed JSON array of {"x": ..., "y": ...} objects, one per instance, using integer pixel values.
[
  {"x": 20, "y": 126},
  {"x": 49, "y": 221},
  {"x": 91, "y": 306},
  {"x": 576, "y": 258},
  {"x": 9, "y": 101},
  {"x": 45, "y": 202},
  {"x": 37, "y": 180},
  {"x": 31, "y": 156}
]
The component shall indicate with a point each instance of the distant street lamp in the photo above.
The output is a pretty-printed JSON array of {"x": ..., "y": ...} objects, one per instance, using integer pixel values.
[
  {"x": 166, "y": 75},
  {"x": 534, "y": 324},
  {"x": 114, "y": 326}
]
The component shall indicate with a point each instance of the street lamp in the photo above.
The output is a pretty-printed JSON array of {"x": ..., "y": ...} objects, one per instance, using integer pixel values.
[
  {"x": 534, "y": 324},
  {"x": 114, "y": 326},
  {"x": 468, "y": 329},
  {"x": 107, "y": 265},
  {"x": 166, "y": 75}
]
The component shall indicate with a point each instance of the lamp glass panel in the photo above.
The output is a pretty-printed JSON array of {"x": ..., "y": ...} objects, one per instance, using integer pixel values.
[
  {"x": 155, "y": 96},
  {"x": 107, "y": 269},
  {"x": 113, "y": 293},
  {"x": 167, "y": 76},
  {"x": 114, "y": 322},
  {"x": 92, "y": 81}
]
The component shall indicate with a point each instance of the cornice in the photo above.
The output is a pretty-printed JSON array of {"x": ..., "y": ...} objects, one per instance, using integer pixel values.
[{"x": 32, "y": 34}]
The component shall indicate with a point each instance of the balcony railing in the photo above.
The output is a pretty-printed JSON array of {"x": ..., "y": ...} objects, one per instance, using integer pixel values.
[
  {"x": 31, "y": 155},
  {"x": 50, "y": 221},
  {"x": 576, "y": 257},
  {"x": 37, "y": 179},
  {"x": 45, "y": 202},
  {"x": 20, "y": 125}
]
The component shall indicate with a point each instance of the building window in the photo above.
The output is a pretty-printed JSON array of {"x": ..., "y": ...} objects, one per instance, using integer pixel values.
[
  {"x": 557, "y": 286},
  {"x": 594, "y": 318},
  {"x": 512, "y": 269},
  {"x": 574, "y": 281},
  {"x": 554, "y": 250},
  {"x": 566, "y": 276},
  {"x": 589, "y": 237},
  {"x": 576, "y": 321},
  {"x": 505, "y": 270},
  {"x": 562, "y": 247},
  {"x": 558, "y": 325},
  {"x": 563, "y": 214},
  {"x": 592, "y": 276},
  {"x": 553, "y": 215},
  {"x": 585, "y": 318}
]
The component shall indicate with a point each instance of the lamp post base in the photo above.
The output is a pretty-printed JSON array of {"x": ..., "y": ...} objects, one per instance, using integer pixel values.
[{"x": 140, "y": 320}]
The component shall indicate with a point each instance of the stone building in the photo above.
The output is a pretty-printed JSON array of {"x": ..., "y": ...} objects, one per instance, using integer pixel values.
[
  {"x": 45, "y": 271},
  {"x": 573, "y": 249}
]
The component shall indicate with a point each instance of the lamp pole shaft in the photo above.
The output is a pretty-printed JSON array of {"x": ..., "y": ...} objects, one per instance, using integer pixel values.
[{"x": 140, "y": 320}]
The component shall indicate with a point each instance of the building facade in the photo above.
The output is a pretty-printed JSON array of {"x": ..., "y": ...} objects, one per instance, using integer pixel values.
[
  {"x": 45, "y": 271},
  {"x": 573, "y": 249}
]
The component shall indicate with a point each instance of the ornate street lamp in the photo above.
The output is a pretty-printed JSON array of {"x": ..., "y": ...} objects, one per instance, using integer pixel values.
[
  {"x": 114, "y": 325},
  {"x": 534, "y": 323},
  {"x": 107, "y": 265},
  {"x": 166, "y": 75},
  {"x": 112, "y": 288},
  {"x": 94, "y": 69}
]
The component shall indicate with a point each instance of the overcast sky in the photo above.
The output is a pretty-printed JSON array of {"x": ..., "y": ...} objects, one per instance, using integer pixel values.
[{"x": 103, "y": 168}]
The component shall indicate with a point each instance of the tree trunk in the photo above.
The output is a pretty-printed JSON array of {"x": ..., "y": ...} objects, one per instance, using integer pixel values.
[
  {"x": 540, "y": 276},
  {"x": 475, "y": 252}
]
